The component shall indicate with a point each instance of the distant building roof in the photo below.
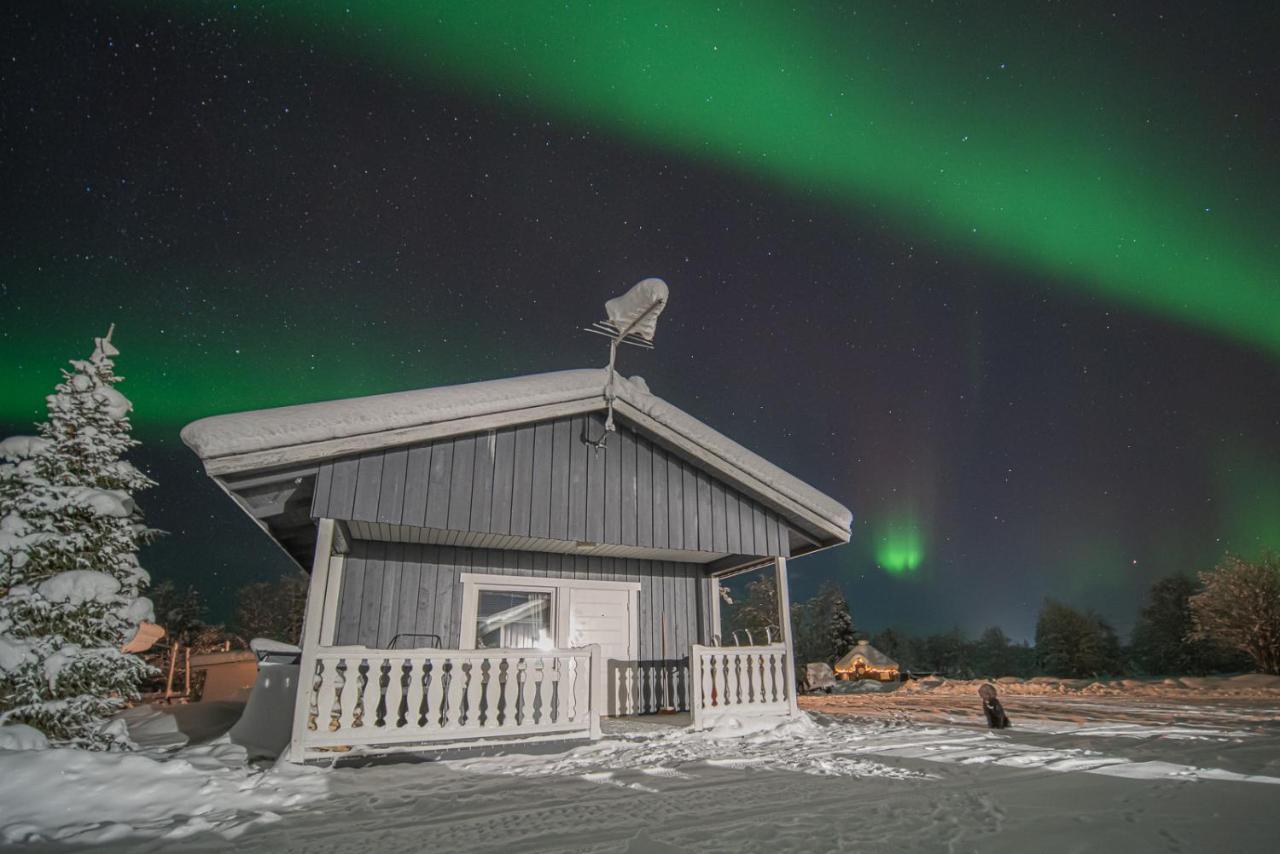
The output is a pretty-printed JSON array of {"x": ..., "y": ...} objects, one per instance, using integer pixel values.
[{"x": 869, "y": 656}]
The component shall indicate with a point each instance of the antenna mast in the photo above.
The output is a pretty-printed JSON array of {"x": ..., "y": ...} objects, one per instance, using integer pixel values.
[{"x": 630, "y": 319}]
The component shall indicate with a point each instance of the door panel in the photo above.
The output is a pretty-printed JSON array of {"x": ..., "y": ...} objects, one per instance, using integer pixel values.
[{"x": 604, "y": 617}]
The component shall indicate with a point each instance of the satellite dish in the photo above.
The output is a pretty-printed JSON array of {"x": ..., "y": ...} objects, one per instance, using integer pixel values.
[{"x": 631, "y": 319}]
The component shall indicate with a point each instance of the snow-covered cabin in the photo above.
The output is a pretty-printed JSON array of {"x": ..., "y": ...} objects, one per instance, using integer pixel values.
[
  {"x": 484, "y": 565},
  {"x": 864, "y": 661}
]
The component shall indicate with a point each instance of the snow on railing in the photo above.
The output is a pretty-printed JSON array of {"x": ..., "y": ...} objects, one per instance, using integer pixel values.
[
  {"x": 382, "y": 700},
  {"x": 738, "y": 681}
]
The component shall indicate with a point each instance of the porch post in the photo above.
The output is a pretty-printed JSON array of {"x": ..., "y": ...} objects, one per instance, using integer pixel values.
[
  {"x": 311, "y": 627},
  {"x": 715, "y": 639},
  {"x": 784, "y": 623}
]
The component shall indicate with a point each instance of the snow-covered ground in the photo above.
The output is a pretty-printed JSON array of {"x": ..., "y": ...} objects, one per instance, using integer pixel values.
[{"x": 872, "y": 772}]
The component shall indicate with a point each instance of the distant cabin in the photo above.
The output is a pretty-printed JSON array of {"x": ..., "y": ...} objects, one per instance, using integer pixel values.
[
  {"x": 487, "y": 561},
  {"x": 864, "y": 661}
]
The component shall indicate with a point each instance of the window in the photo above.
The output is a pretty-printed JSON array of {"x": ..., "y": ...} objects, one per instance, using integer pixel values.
[
  {"x": 513, "y": 619},
  {"x": 513, "y": 612}
]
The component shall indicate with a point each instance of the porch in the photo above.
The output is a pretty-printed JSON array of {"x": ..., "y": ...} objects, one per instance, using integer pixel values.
[{"x": 517, "y": 657}]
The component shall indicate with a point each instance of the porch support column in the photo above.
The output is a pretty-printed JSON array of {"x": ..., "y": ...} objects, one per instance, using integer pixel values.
[
  {"x": 311, "y": 640},
  {"x": 784, "y": 623}
]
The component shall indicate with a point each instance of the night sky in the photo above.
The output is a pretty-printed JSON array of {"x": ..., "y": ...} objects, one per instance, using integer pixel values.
[{"x": 1005, "y": 282}]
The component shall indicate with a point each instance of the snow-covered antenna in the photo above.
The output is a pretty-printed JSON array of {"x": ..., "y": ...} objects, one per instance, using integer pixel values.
[
  {"x": 630, "y": 319},
  {"x": 103, "y": 348}
]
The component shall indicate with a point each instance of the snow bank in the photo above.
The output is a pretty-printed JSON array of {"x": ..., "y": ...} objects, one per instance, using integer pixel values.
[
  {"x": 92, "y": 797},
  {"x": 22, "y": 737}
]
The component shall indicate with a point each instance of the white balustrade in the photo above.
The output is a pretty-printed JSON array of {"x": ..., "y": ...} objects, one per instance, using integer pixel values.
[
  {"x": 367, "y": 699},
  {"x": 738, "y": 681}
]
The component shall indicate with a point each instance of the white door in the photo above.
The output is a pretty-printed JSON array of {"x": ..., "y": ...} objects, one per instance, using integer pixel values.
[{"x": 604, "y": 616}]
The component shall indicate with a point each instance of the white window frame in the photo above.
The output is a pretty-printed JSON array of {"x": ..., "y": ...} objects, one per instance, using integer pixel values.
[{"x": 559, "y": 588}]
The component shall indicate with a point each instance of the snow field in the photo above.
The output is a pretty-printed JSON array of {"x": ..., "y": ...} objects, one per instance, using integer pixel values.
[{"x": 88, "y": 797}]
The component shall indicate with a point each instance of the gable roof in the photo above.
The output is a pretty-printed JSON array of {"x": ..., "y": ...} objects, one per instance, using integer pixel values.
[
  {"x": 868, "y": 653},
  {"x": 291, "y": 435}
]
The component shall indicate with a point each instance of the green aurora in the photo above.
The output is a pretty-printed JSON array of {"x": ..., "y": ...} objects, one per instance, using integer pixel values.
[
  {"x": 178, "y": 366},
  {"x": 899, "y": 546},
  {"x": 1026, "y": 150}
]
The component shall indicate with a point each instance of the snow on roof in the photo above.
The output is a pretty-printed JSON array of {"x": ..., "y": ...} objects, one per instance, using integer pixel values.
[
  {"x": 289, "y": 426},
  {"x": 868, "y": 654}
]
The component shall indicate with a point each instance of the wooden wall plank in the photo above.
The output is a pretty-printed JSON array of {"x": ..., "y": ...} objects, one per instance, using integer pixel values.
[
  {"x": 719, "y": 532},
  {"x": 464, "y": 464},
  {"x": 417, "y": 476},
  {"x": 342, "y": 494},
  {"x": 578, "y": 451},
  {"x": 628, "y": 487},
  {"x": 388, "y": 619},
  {"x": 561, "y": 443},
  {"x": 522, "y": 492},
  {"x": 368, "y": 486},
  {"x": 395, "y": 469},
  {"x": 644, "y": 493},
  {"x": 351, "y": 596},
  {"x": 612, "y": 456},
  {"x": 705, "y": 542},
  {"x": 482, "y": 481},
  {"x": 675, "y": 504},
  {"x": 448, "y": 581},
  {"x": 661, "y": 539},
  {"x": 427, "y": 621},
  {"x": 504, "y": 469},
  {"x": 689, "y": 493},
  {"x": 757, "y": 518},
  {"x": 437, "y": 515},
  {"x": 371, "y": 597},
  {"x": 746, "y": 522},
  {"x": 543, "y": 453},
  {"x": 595, "y": 485}
]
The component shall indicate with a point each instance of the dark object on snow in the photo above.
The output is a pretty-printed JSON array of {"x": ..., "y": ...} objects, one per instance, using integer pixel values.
[
  {"x": 817, "y": 676},
  {"x": 996, "y": 718}
]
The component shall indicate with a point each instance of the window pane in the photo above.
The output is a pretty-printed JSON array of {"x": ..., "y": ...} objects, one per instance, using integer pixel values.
[{"x": 513, "y": 619}]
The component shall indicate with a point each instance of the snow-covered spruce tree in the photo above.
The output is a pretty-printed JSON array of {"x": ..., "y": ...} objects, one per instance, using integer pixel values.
[
  {"x": 839, "y": 633},
  {"x": 70, "y": 582}
]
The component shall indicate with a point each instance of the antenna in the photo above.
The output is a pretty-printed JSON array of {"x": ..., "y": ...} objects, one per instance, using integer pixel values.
[{"x": 630, "y": 319}]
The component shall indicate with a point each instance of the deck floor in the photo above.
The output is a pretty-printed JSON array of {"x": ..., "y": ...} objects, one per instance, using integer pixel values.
[{"x": 643, "y": 724}]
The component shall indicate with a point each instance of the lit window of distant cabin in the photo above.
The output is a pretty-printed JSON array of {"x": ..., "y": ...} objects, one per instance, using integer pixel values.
[{"x": 513, "y": 619}]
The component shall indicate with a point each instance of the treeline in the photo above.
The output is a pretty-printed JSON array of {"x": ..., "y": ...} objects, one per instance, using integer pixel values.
[
  {"x": 263, "y": 609},
  {"x": 1225, "y": 620}
]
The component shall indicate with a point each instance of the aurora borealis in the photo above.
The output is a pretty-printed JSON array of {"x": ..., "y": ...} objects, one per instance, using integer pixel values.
[{"x": 1004, "y": 281}]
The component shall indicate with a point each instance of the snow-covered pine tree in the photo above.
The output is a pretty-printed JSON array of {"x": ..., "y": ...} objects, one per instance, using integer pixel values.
[
  {"x": 840, "y": 635},
  {"x": 70, "y": 582}
]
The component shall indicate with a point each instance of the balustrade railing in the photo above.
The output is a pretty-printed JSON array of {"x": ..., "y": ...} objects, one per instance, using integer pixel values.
[
  {"x": 738, "y": 681},
  {"x": 367, "y": 699}
]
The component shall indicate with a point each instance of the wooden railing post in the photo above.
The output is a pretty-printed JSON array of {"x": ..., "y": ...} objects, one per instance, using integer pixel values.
[
  {"x": 695, "y": 684},
  {"x": 311, "y": 639}
]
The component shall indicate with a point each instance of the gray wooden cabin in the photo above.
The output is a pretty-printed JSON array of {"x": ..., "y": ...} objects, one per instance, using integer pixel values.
[{"x": 490, "y": 516}]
